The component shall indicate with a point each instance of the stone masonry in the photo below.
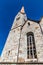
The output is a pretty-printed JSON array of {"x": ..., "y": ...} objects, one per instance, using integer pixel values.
[{"x": 15, "y": 49}]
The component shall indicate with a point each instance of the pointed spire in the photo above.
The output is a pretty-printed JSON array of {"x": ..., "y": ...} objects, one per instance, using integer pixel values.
[{"x": 22, "y": 10}]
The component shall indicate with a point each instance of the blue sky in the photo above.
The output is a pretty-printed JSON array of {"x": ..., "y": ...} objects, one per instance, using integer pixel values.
[{"x": 8, "y": 10}]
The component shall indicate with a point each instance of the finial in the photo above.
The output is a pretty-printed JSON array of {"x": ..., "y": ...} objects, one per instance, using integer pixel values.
[{"x": 22, "y": 10}]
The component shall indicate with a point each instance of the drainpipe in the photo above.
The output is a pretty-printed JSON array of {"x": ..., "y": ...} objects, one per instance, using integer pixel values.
[{"x": 19, "y": 44}]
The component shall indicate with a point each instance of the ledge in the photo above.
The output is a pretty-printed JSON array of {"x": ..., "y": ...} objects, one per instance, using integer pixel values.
[{"x": 21, "y": 63}]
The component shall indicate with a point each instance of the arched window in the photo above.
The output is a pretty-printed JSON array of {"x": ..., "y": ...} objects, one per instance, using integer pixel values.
[{"x": 31, "y": 49}]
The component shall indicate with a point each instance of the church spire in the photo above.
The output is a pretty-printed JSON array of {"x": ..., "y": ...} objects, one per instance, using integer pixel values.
[
  {"x": 20, "y": 18},
  {"x": 22, "y": 10}
]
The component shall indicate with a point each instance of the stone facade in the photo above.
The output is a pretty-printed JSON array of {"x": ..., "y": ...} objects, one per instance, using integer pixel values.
[{"x": 15, "y": 49}]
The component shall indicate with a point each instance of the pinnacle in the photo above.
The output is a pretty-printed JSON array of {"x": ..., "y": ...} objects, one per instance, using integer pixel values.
[{"x": 22, "y": 10}]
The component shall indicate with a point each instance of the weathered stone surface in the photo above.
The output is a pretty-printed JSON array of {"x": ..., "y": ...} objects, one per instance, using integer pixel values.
[
  {"x": 21, "y": 59},
  {"x": 16, "y": 43}
]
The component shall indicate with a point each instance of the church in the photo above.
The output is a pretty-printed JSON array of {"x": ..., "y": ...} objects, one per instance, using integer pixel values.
[{"x": 25, "y": 40}]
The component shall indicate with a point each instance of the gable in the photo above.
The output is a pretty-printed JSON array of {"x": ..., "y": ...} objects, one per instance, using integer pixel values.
[{"x": 30, "y": 26}]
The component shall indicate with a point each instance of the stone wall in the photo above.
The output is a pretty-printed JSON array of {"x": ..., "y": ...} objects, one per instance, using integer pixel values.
[
  {"x": 35, "y": 28},
  {"x": 15, "y": 49},
  {"x": 10, "y": 50},
  {"x": 14, "y": 40}
]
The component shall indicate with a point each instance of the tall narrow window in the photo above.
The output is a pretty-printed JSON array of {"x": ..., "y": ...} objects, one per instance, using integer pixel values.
[{"x": 31, "y": 49}]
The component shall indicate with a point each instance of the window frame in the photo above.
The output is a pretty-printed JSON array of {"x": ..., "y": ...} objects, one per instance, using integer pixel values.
[{"x": 34, "y": 46}]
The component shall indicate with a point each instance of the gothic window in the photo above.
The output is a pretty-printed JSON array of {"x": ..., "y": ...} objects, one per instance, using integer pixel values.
[{"x": 31, "y": 49}]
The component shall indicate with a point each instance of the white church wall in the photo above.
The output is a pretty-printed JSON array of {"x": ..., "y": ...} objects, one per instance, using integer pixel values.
[
  {"x": 35, "y": 28},
  {"x": 23, "y": 48},
  {"x": 39, "y": 44},
  {"x": 10, "y": 50}
]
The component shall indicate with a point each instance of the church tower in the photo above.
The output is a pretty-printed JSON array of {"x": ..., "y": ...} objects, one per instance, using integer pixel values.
[{"x": 24, "y": 42}]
